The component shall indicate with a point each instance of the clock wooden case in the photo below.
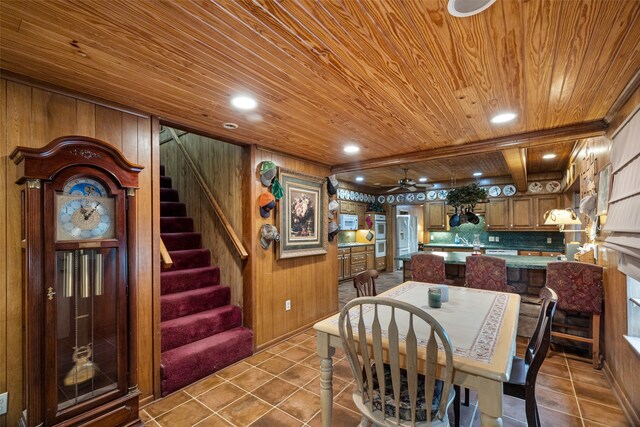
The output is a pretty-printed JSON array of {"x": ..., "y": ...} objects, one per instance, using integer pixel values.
[{"x": 79, "y": 281}]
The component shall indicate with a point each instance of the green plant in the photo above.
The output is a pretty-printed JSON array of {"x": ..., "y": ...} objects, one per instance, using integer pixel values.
[{"x": 468, "y": 195}]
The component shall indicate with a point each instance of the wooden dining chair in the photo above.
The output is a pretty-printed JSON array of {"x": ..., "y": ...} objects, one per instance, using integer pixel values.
[
  {"x": 522, "y": 380},
  {"x": 579, "y": 288},
  {"x": 428, "y": 268},
  {"x": 398, "y": 386},
  {"x": 486, "y": 272},
  {"x": 365, "y": 283}
]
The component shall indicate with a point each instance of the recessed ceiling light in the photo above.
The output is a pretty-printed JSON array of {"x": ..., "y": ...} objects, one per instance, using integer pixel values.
[
  {"x": 244, "y": 102},
  {"x": 422, "y": 179},
  {"x": 477, "y": 174},
  {"x": 464, "y": 8},
  {"x": 230, "y": 125},
  {"x": 350, "y": 149},
  {"x": 359, "y": 178},
  {"x": 549, "y": 156},
  {"x": 503, "y": 117}
]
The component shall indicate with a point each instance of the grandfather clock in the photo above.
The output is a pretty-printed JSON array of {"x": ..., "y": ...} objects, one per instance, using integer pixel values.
[{"x": 78, "y": 241}]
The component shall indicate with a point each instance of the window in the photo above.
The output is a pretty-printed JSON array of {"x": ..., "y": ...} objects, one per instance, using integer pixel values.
[{"x": 633, "y": 317}]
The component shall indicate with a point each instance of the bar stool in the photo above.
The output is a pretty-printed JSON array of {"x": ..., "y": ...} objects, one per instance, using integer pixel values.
[
  {"x": 428, "y": 268},
  {"x": 579, "y": 289},
  {"x": 486, "y": 272}
]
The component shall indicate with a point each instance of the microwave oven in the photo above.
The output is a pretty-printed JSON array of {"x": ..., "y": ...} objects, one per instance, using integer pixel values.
[{"x": 348, "y": 222}]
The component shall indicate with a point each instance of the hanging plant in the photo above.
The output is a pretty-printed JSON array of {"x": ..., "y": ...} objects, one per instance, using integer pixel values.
[{"x": 468, "y": 195}]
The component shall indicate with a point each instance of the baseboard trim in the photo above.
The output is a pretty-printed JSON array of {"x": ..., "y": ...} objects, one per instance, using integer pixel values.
[
  {"x": 627, "y": 408},
  {"x": 286, "y": 336}
]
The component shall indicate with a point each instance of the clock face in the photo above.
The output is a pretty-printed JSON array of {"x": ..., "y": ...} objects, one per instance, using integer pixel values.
[
  {"x": 84, "y": 218},
  {"x": 84, "y": 187}
]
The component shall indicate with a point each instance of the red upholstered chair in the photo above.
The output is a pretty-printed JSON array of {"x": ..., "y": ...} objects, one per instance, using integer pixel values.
[
  {"x": 486, "y": 272},
  {"x": 579, "y": 288},
  {"x": 428, "y": 268}
]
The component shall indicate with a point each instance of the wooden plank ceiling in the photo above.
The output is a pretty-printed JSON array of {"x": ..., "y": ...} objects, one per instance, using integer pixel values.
[{"x": 393, "y": 77}]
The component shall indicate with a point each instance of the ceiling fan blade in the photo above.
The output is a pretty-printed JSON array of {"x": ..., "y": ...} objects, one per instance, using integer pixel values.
[
  {"x": 422, "y": 185},
  {"x": 393, "y": 189},
  {"x": 412, "y": 188}
]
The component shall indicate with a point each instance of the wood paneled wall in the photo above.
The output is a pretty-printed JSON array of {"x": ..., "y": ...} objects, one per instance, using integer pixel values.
[
  {"x": 311, "y": 283},
  {"x": 31, "y": 116},
  {"x": 222, "y": 166}
]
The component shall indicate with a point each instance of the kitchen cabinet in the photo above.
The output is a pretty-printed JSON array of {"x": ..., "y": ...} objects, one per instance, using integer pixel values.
[
  {"x": 435, "y": 216},
  {"x": 381, "y": 263},
  {"x": 521, "y": 213},
  {"x": 543, "y": 204},
  {"x": 529, "y": 253},
  {"x": 355, "y": 259},
  {"x": 371, "y": 259},
  {"x": 497, "y": 214},
  {"x": 553, "y": 254},
  {"x": 344, "y": 263},
  {"x": 358, "y": 260},
  {"x": 360, "y": 209},
  {"x": 347, "y": 207}
]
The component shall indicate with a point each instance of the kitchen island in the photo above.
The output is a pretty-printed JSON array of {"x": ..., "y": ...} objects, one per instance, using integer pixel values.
[{"x": 513, "y": 261}]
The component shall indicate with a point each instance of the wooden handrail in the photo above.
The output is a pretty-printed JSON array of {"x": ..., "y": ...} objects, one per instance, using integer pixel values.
[
  {"x": 212, "y": 200},
  {"x": 167, "y": 262}
]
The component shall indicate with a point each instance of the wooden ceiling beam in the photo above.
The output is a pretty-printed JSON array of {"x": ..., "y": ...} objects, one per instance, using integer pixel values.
[
  {"x": 527, "y": 139},
  {"x": 516, "y": 159}
]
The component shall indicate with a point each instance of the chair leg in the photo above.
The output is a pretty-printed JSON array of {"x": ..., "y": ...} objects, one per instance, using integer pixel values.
[
  {"x": 456, "y": 406},
  {"x": 595, "y": 347},
  {"x": 531, "y": 407},
  {"x": 466, "y": 397}
]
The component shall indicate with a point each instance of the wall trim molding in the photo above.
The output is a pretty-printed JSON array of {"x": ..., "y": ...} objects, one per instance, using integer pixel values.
[{"x": 627, "y": 408}]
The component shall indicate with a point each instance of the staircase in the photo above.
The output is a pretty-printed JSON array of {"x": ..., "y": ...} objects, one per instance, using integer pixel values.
[{"x": 201, "y": 332}]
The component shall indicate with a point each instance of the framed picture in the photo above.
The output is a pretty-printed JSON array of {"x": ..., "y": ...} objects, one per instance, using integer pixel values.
[
  {"x": 604, "y": 181},
  {"x": 302, "y": 215}
]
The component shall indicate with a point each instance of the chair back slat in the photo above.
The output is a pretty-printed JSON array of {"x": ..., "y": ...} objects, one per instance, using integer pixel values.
[
  {"x": 541, "y": 339},
  {"x": 387, "y": 342}
]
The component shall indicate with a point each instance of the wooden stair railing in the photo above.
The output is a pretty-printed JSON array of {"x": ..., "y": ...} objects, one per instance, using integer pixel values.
[
  {"x": 242, "y": 252},
  {"x": 167, "y": 262}
]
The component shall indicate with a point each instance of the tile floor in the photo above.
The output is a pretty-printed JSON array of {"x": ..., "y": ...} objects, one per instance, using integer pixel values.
[{"x": 280, "y": 386}]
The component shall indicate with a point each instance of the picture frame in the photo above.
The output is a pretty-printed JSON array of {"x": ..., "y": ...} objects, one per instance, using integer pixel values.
[
  {"x": 303, "y": 215},
  {"x": 604, "y": 184}
]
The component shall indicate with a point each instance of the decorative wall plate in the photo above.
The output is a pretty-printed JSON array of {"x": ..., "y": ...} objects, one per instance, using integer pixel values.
[
  {"x": 495, "y": 191},
  {"x": 431, "y": 195},
  {"x": 352, "y": 195},
  {"x": 509, "y": 190},
  {"x": 411, "y": 197},
  {"x": 421, "y": 197},
  {"x": 381, "y": 199},
  {"x": 400, "y": 198},
  {"x": 340, "y": 193},
  {"x": 390, "y": 198},
  {"x": 346, "y": 195},
  {"x": 535, "y": 187},
  {"x": 553, "y": 186},
  {"x": 442, "y": 194}
]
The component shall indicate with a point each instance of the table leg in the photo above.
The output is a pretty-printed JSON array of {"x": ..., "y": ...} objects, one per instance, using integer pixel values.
[
  {"x": 325, "y": 352},
  {"x": 490, "y": 404}
]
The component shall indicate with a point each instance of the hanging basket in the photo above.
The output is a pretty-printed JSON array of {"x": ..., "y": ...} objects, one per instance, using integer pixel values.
[{"x": 469, "y": 195}]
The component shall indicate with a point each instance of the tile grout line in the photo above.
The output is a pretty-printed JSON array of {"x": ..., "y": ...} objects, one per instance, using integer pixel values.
[{"x": 573, "y": 387}]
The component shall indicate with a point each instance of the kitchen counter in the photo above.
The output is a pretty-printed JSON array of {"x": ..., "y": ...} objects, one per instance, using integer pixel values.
[
  {"x": 523, "y": 247},
  {"x": 350, "y": 245},
  {"x": 513, "y": 261}
]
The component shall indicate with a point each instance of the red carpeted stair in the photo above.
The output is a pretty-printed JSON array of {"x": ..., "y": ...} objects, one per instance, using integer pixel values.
[{"x": 201, "y": 332}]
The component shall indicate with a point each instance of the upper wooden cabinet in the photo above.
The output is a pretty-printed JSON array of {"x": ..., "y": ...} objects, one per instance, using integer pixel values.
[
  {"x": 542, "y": 205},
  {"x": 347, "y": 207},
  {"x": 497, "y": 214},
  {"x": 435, "y": 216},
  {"x": 360, "y": 209},
  {"x": 521, "y": 213}
]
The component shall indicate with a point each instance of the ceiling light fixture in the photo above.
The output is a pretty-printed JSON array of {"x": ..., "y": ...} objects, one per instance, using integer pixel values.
[
  {"x": 422, "y": 179},
  {"x": 244, "y": 102},
  {"x": 503, "y": 117},
  {"x": 549, "y": 156},
  {"x": 477, "y": 174},
  {"x": 230, "y": 125},
  {"x": 350, "y": 149},
  {"x": 359, "y": 178},
  {"x": 464, "y": 8}
]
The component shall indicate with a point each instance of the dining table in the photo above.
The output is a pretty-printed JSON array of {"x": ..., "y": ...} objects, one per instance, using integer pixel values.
[{"x": 481, "y": 325}]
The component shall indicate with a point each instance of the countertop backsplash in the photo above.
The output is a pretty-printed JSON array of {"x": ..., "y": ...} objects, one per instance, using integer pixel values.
[{"x": 531, "y": 240}]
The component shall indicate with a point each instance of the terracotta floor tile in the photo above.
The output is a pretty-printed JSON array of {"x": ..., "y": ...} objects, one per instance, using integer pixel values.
[
  {"x": 276, "y": 365},
  {"x": 144, "y": 416},
  {"x": 589, "y": 423},
  {"x": 590, "y": 376},
  {"x": 595, "y": 393},
  {"x": 340, "y": 417},
  {"x": 554, "y": 369},
  {"x": 277, "y": 418},
  {"x": 213, "y": 421},
  {"x": 219, "y": 397},
  {"x": 310, "y": 332},
  {"x": 234, "y": 370},
  {"x": 296, "y": 353},
  {"x": 167, "y": 403},
  {"x": 557, "y": 401},
  {"x": 312, "y": 361},
  {"x": 554, "y": 357},
  {"x": 245, "y": 410},
  {"x": 204, "y": 385},
  {"x": 185, "y": 415},
  {"x": 562, "y": 385},
  {"x": 342, "y": 369},
  {"x": 251, "y": 379},
  {"x": 345, "y": 397},
  {"x": 302, "y": 405},
  {"x": 297, "y": 339},
  {"x": 258, "y": 358},
  {"x": 314, "y": 385},
  {"x": 514, "y": 408},
  {"x": 279, "y": 348},
  {"x": 275, "y": 391},
  {"x": 151, "y": 423},
  {"x": 574, "y": 363},
  {"x": 613, "y": 417},
  {"x": 299, "y": 375},
  {"x": 510, "y": 422},
  {"x": 310, "y": 343},
  {"x": 549, "y": 417}
]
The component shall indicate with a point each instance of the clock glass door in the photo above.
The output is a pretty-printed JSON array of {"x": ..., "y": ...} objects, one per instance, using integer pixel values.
[{"x": 86, "y": 335}]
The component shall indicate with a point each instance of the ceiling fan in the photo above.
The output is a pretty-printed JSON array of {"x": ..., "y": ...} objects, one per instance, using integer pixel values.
[{"x": 406, "y": 183}]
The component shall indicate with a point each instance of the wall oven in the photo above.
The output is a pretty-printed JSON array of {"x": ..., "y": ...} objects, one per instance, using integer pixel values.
[
  {"x": 380, "y": 222},
  {"x": 381, "y": 248}
]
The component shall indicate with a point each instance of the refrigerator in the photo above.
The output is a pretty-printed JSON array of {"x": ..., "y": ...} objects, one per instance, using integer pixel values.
[{"x": 406, "y": 236}]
